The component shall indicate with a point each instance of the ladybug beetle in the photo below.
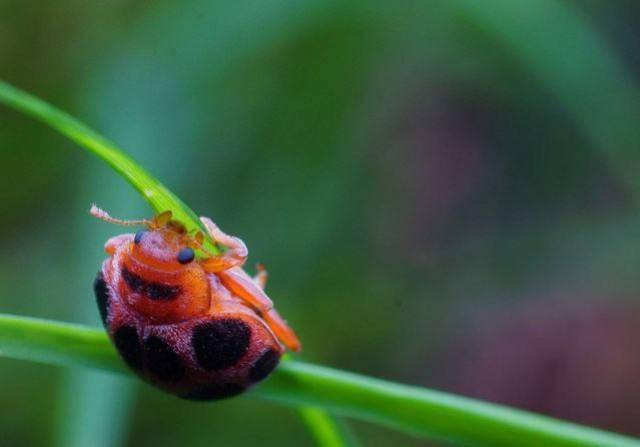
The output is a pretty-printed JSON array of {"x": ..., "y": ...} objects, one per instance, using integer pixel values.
[{"x": 198, "y": 327}]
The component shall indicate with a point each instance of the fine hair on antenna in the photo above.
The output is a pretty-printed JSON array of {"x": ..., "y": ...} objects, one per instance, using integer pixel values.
[{"x": 101, "y": 214}]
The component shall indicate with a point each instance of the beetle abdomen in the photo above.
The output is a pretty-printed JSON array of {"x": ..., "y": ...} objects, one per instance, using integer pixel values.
[{"x": 215, "y": 356}]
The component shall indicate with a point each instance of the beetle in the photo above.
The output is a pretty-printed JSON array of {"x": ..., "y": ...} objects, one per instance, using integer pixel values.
[{"x": 196, "y": 326}]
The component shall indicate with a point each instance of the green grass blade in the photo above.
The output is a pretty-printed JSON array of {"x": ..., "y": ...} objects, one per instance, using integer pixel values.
[
  {"x": 427, "y": 413},
  {"x": 326, "y": 429},
  {"x": 56, "y": 343},
  {"x": 154, "y": 192},
  {"x": 410, "y": 409}
]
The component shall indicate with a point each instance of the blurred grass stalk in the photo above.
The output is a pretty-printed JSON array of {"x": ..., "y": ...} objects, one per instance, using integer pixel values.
[
  {"x": 411, "y": 409},
  {"x": 326, "y": 429},
  {"x": 575, "y": 64}
]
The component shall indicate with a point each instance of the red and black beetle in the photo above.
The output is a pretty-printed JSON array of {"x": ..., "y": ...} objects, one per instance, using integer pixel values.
[{"x": 200, "y": 328}]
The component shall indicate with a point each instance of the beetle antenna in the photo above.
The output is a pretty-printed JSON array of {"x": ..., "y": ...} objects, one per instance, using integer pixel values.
[{"x": 101, "y": 214}]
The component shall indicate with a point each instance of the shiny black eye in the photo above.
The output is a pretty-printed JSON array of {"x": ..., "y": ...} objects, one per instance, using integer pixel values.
[
  {"x": 138, "y": 237},
  {"x": 186, "y": 255}
]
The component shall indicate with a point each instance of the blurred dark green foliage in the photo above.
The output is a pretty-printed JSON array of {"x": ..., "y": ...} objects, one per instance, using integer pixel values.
[{"x": 404, "y": 170}]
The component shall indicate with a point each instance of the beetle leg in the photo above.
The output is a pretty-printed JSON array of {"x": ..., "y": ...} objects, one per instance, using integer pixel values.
[
  {"x": 244, "y": 287},
  {"x": 282, "y": 330},
  {"x": 261, "y": 277},
  {"x": 235, "y": 256}
]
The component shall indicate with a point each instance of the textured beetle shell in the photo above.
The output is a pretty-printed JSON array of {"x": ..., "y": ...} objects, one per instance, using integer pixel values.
[{"x": 214, "y": 356}]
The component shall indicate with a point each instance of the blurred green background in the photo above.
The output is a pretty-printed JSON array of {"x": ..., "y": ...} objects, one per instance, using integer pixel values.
[{"x": 445, "y": 193}]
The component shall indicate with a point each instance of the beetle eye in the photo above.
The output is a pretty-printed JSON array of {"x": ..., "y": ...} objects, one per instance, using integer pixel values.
[
  {"x": 186, "y": 255},
  {"x": 138, "y": 237}
]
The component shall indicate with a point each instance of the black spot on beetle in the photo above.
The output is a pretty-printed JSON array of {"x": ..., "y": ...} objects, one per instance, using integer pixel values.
[
  {"x": 157, "y": 291},
  {"x": 138, "y": 237},
  {"x": 152, "y": 290},
  {"x": 128, "y": 344},
  {"x": 163, "y": 362},
  {"x": 215, "y": 391},
  {"x": 264, "y": 365},
  {"x": 134, "y": 282},
  {"x": 102, "y": 296},
  {"x": 221, "y": 343},
  {"x": 186, "y": 255}
]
